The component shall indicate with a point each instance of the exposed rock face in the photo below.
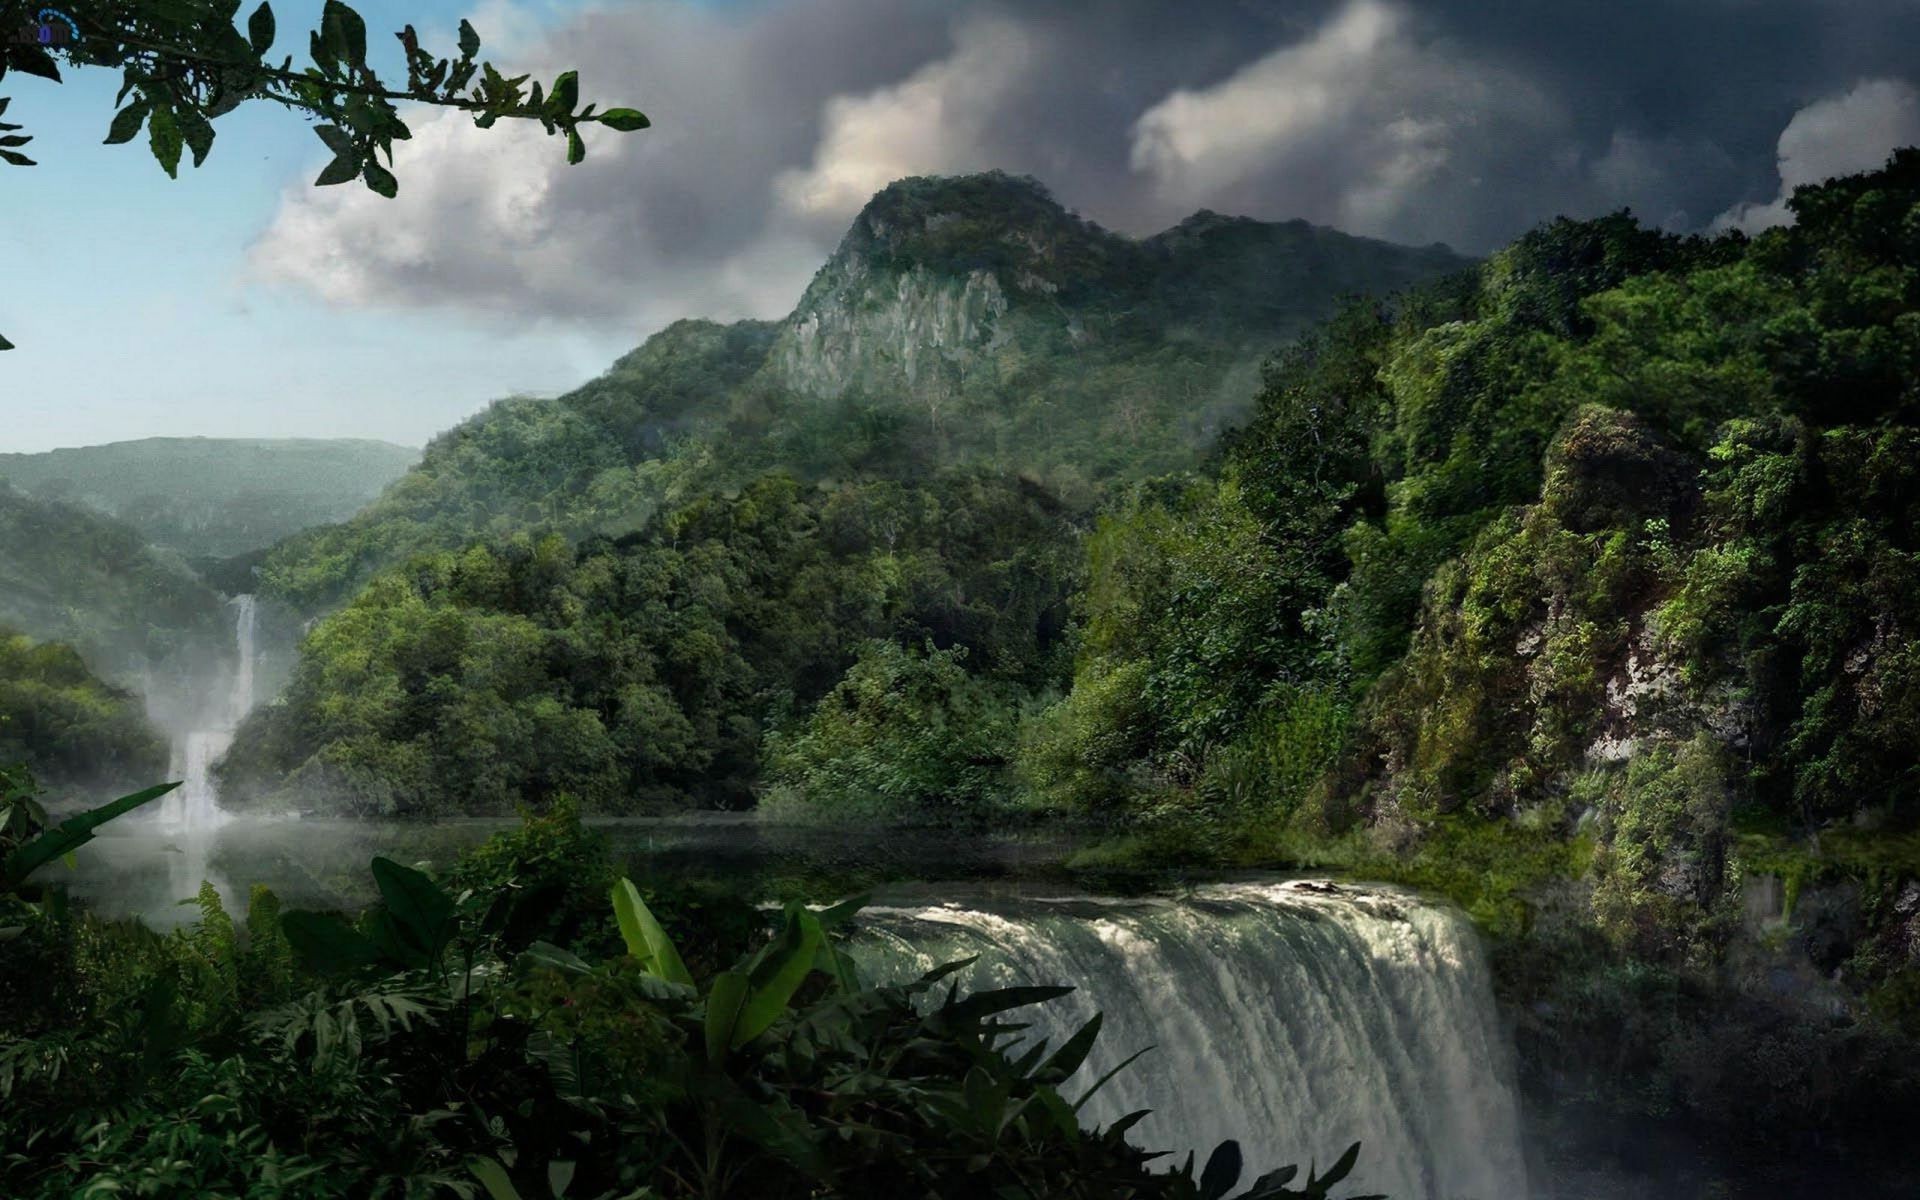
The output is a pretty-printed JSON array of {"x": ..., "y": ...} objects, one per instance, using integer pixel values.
[
  {"x": 872, "y": 329},
  {"x": 948, "y": 287}
]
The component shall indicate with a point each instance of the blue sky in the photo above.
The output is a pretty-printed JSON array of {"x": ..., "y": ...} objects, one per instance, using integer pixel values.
[
  {"x": 127, "y": 293},
  {"x": 239, "y": 301}
]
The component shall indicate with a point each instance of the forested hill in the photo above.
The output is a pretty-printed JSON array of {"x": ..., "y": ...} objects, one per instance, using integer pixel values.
[
  {"x": 215, "y": 497},
  {"x": 962, "y": 322},
  {"x": 74, "y": 575}
]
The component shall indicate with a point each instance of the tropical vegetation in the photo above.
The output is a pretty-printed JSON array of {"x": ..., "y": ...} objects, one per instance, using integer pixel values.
[{"x": 441, "y": 1045}]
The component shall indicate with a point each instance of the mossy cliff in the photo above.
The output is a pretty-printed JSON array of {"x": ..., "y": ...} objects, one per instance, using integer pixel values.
[{"x": 1605, "y": 566}]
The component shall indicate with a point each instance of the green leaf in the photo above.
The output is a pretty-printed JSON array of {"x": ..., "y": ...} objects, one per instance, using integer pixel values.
[
  {"x": 5, "y": 344},
  {"x": 566, "y": 92},
  {"x": 546, "y": 954},
  {"x": 422, "y": 911},
  {"x": 345, "y": 32},
  {"x": 197, "y": 132},
  {"x": 1108, "y": 1077},
  {"x": 16, "y": 158},
  {"x": 1062, "y": 1114},
  {"x": 576, "y": 148},
  {"x": 1067, "y": 1059},
  {"x": 724, "y": 1001},
  {"x": 326, "y": 944},
  {"x": 381, "y": 180},
  {"x": 337, "y": 139},
  {"x": 469, "y": 40},
  {"x": 646, "y": 940},
  {"x": 987, "y": 1004},
  {"x": 72, "y": 833},
  {"x": 1222, "y": 1172},
  {"x": 340, "y": 170},
  {"x": 626, "y": 120},
  {"x": 838, "y": 967},
  {"x": 774, "y": 1124},
  {"x": 317, "y": 49},
  {"x": 1338, "y": 1170},
  {"x": 945, "y": 969},
  {"x": 782, "y": 970},
  {"x": 260, "y": 29},
  {"x": 494, "y": 1178},
  {"x": 559, "y": 1177},
  {"x": 163, "y": 136},
  {"x": 34, "y": 61},
  {"x": 127, "y": 122}
]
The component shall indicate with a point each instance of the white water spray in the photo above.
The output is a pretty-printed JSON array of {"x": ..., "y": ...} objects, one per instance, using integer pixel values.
[
  {"x": 1292, "y": 1020},
  {"x": 191, "y": 812}
]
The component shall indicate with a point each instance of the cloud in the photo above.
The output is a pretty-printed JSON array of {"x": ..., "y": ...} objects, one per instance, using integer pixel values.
[
  {"x": 1364, "y": 124},
  {"x": 933, "y": 122},
  {"x": 1839, "y": 135},
  {"x": 1465, "y": 121}
]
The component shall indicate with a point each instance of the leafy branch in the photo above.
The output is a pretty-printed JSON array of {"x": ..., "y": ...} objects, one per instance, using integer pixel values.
[{"x": 186, "y": 63}]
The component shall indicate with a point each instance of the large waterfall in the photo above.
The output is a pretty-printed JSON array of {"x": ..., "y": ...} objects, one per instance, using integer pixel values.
[
  {"x": 194, "y": 807},
  {"x": 1296, "y": 1018}
]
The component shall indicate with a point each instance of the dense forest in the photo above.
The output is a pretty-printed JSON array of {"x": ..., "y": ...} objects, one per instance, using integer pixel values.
[
  {"x": 72, "y": 732},
  {"x": 1579, "y": 586},
  {"x": 70, "y": 574}
]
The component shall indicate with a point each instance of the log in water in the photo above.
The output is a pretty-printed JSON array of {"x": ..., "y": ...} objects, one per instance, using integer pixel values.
[{"x": 1292, "y": 1019}]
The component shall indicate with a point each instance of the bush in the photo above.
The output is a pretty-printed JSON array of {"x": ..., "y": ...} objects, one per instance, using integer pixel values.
[{"x": 906, "y": 734}]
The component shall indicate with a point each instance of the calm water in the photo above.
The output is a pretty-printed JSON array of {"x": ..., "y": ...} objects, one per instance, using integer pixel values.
[{"x": 147, "y": 868}]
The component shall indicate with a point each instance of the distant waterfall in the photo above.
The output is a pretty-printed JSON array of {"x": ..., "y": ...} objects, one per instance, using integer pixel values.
[
  {"x": 245, "y": 623},
  {"x": 1293, "y": 1020},
  {"x": 195, "y": 805}
]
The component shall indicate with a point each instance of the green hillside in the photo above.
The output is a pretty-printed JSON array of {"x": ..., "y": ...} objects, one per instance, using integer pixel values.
[
  {"x": 73, "y": 732},
  {"x": 73, "y": 575},
  {"x": 967, "y": 322},
  {"x": 214, "y": 497}
]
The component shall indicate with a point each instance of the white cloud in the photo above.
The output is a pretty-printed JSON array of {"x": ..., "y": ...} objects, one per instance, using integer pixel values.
[
  {"x": 933, "y": 122},
  {"x": 1357, "y": 124},
  {"x": 1839, "y": 135}
]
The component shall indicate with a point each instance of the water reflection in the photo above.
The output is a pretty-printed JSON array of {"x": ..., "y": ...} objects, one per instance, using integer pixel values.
[{"x": 153, "y": 869}]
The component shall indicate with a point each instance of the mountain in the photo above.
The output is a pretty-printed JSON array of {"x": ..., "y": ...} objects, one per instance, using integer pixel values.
[
  {"x": 966, "y": 321},
  {"x": 214, "y": 497}
]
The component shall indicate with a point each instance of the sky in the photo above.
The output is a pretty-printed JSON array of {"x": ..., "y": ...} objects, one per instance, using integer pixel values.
[{"x": 241, "y": 301}]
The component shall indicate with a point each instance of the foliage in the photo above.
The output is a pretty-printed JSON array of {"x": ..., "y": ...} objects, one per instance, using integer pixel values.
[
  {"x": 1593, "y": 495},
  {"x": 64, "y": 723},
  {"x": 641, "y": 671},
  {"x": 906, "y": 734},
  {"x": 75, "y": 576},
  {"x": 424, "y": 1052},
  {"x": 185, "y": 64}
]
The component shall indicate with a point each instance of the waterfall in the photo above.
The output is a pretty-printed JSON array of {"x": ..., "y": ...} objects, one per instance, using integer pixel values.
[
  {"x": 1296, "y": 1018},
  {"x": 194, "y": 806},
  {"x": 240, "y": 699}
]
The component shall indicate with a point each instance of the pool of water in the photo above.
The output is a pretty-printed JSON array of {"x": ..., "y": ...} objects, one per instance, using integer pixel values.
[{"x": 149, "y": 870}]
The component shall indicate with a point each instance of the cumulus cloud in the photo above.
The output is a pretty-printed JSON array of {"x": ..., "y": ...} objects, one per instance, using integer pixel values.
[
  {"x": 933, "y": 122},
  {"x": 1835, "y": 136},
  {"x": 1463, "y": 121},
  {"x": 1364, "y": 124}
]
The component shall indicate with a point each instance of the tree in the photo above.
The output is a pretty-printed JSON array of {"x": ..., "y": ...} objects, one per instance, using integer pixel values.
[{"x": 185, "y": 63}]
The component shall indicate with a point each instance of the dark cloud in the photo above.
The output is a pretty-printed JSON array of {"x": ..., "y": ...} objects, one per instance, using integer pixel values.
[{"x": 1447, "y": 120}]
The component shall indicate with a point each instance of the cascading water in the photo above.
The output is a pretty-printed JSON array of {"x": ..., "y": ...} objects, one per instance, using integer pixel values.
[
  {"x": 192, "y": 811},
  {"x": 1292, "y": 1019}
]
